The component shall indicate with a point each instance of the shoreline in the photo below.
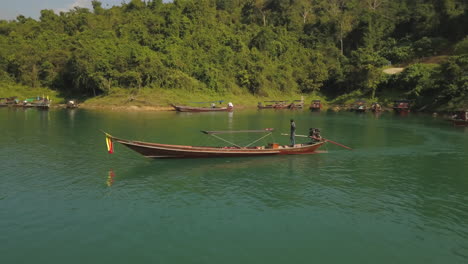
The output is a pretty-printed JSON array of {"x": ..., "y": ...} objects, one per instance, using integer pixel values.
[
  {"x": 330, "y": 108},
  {"x": 138, "y": 108}
]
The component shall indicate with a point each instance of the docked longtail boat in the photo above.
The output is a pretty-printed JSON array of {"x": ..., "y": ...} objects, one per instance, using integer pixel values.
[
  {"x": 212, "y": 108},
  {"x": 156, "y": 150},
  {"x": 38, "y": 102},
  {"x": 359, "y": 106},
  {"x": 296, "y": 104},
  {"x": 376, "y": 107},
  {"x": 181, "y": 108},
  {"x": 402, "y": 106},
  {"x": 273, "y": 105},
  {"x": 460, "y": 118},
  {"x": 316, "y": 105},
  {"x": 9, "y": 101}
]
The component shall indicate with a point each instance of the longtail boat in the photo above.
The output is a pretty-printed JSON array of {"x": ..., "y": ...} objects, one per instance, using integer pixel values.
[
  {"x": 376, "y": 107},
  {"x": 9, "y": 101},
  {"x": 460, "y": 118},
  {"x": 359, "y": 106},
  {"x": 402, "y": 106},
  {"x": 212, "y": 108},
  {"x": 273, "y": 105},
  {"x": 38, "y": 102},
  {"x": 296, "y": 104},
  {"x": 181, "y": 108},
  {"x": 156, "y": 150},
  {"x": 71, "y": 104},
  {"x": 316, "y": 105}
]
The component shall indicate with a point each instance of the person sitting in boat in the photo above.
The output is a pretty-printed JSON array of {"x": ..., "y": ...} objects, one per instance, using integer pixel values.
[
  {"x": 213, "y": 105},
  {"x": 230, "y": 105},
  {"x": 314, "y": 134},
  {"x": 311, "y": 132}
]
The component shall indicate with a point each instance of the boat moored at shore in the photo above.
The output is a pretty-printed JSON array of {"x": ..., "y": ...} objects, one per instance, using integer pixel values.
[{"x": 212, "y": 108}]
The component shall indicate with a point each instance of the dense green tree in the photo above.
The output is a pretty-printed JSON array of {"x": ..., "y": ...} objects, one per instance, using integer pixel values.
[{"x": 244, "y": 46}]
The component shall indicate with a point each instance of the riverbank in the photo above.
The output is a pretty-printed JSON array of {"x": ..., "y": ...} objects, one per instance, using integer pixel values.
[
  {"x": 160, "y": 100},
  {"x": 153, "y": 99}
]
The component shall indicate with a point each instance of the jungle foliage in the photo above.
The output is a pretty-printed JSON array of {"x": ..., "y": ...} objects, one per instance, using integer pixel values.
[{"x": 243, "y": 46}]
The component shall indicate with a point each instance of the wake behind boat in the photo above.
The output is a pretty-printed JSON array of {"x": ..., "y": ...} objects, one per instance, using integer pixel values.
[{"x": 157, "y": 150}]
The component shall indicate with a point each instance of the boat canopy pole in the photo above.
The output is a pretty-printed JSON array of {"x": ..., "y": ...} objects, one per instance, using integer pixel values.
[
  {"x": 258, "y": 139},
  {"x": 220, "y": 138}
]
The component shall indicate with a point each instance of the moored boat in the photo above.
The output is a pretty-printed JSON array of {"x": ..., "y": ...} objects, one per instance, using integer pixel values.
[
  {"x": 281, "y": 105},
  {"x": 402, "y": 106},
  {"x": 181, "y": 108},
  {"x": 316, "y": 105},
  {"x": 71, "y": 104},
  {"x": 9, "y": 101},
  {"x": 296, "y": 104},
  {"x": 359, "y": 106},
  {"x": 376, "y": 107},
  {"x": 460, "y": 118},
  {"x": 38, "y": 102},
  {"x": 157, "y": 150},
  {"x": 212, "y": 108},
  {"x": 273, "y": 105}
]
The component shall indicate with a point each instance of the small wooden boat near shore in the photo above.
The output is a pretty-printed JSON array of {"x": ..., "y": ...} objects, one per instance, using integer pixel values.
[
  {"x": 9, "y": 101},
  {"x": 37, "y": 102},
  {"x": 273, "y": 105},
  {"x": 316, "y": 105},
  {"x": 359, "y": 106},
  {"x": 212, "y": 108},
  {"x": 71, "y": 104},
  {"x": 156, "y": 150},
  {"x": 296, "y": 104},
  {"x": 460, "y": 118},
  {"x": 182, "y": 108},
  {"x": 402, "y": 106},
  {"x": 376, "y": 107}
]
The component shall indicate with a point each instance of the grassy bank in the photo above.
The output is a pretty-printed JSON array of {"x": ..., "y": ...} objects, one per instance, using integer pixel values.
[
  {"x": 23, "y": 92},
  {"x": 151, "y": 99},
  {"x": 147, "y": 98}
]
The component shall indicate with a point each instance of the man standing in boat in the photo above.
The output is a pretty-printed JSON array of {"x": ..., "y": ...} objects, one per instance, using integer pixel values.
[{"x": 293, "y": 133}]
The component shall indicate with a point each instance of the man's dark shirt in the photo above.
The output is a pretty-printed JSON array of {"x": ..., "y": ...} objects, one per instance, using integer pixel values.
[{"x": 293, "y": 128}]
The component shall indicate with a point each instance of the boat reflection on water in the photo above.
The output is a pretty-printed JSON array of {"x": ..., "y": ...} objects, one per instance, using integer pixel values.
[
  {"x": 266, "y": 181},
  {"x": 110, "y": 178},
  {"x": 377, "y": 114}
]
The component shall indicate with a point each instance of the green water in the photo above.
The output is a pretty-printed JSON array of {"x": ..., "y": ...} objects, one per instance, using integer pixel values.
[{"x": 400, "y": 197}]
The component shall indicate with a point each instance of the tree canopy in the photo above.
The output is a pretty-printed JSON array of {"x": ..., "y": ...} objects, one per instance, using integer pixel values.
[{"x": 242, "y": 46}]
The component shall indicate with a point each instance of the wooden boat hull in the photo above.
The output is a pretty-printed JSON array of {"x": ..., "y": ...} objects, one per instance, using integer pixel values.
[
  {"x": 281, "y": 107},
  {"x": 296, "y": 106},
  {"x": 43, "y": 106},
  {"x": 201, "y": 109},
  {"x": 155, "y": 150},
  {"x": 359, "y": 110},
  {"x": 459, "y": 122},
  {"x": 400, "y": 110},
  {"x": 265, "y": 107}
]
